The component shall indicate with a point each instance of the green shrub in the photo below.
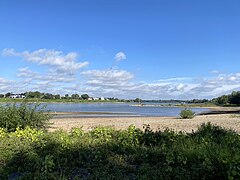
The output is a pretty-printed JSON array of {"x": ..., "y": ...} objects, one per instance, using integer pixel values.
[
  {"x": 211, "y": 152},
  {"x": 13, "y": 116},
  {"x": 187, "y": 114}
]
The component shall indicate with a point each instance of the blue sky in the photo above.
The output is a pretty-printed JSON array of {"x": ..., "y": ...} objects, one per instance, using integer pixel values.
[{"x": 155, "y": 49}]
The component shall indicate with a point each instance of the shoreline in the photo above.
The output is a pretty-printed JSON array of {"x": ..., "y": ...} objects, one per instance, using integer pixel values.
[
  {"x": 228, "y": 121},
  {"x": 227, "y": 117},
  {"x": 96, "y": 114},
  {"x": 222, "y": 110}
]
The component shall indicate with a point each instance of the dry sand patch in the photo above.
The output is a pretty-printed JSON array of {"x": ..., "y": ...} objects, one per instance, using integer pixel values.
[{"x": 228, "y": 121}]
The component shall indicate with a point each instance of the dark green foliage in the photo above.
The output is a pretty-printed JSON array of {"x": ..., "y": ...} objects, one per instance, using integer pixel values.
[
  {"x": 23, "y": 115},
  {"x": 138, "y": 100},
  {"x": 196, "y": 101},
  {"x": 35, "y": 94},
  {"x": 235, "y": 98},
  {"x": 231, "y": 99},
  {"x": 75, "y": 96},
  {"x": 84, "y": 96},
  {"x": 187, "y": 114},
  {"x": 8, "y": 94},
  {"x": 57, "y": 96},
  {"x": 48, "y": 96},
  {"x": 104, "y": 153}
]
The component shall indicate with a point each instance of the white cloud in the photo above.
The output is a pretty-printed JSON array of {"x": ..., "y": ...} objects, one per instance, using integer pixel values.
[
  {"x": 111, "y": 77},
  {"x": 61, "y": 76},
  {"x": 26, "y": 72},
  {"x": 215, "y": 72},
  {"x": 6, "y": 85},
  {"x": 9, "y": 52},
  {"x": 178, "y": 79},
  {"x": 107, "y": 82},
  {"x": 55, "y": 59},
  {"x": 121, "y": 84},
  {"x": 61, "y": 68},
  {"x": 51, "y": 76},
  {"x": 120, "y": 56},
  {"x": 3, "y": 81}
]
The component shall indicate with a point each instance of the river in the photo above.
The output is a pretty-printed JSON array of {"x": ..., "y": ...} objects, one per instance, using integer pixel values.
[{"x": 116, "y": 109}]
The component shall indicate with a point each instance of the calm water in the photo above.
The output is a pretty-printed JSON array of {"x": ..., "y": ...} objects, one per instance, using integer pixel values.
[{"x": 123, "y": 108}]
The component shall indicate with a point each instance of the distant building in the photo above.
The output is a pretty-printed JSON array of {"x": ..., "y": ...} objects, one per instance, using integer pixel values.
[
  {"x": 90, "y": 98},
  {"x": 98, "y": 98},
  {"x": 16, "y": 96}
]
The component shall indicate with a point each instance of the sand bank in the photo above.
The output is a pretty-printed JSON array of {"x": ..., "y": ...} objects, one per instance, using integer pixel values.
[{"x": 229, "y": 121}]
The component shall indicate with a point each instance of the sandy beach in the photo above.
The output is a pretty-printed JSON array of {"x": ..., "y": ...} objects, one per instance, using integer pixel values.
[{"x": 229, "y": 121}]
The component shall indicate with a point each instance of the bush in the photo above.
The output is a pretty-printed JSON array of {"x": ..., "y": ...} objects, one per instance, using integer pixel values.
[
  {"x": 13, "y": 116},
  {"x": 187, "y": 114},
  {"x": 211, "y": 152}
]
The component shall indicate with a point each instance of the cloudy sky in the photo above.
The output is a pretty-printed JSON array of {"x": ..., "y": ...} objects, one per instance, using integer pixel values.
[{"x": 152, "y": 49}]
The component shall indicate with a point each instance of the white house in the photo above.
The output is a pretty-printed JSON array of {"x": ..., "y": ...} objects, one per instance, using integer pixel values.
[
  {"x": 15, "y": 96},
  {"x": 97, "y": 98}
]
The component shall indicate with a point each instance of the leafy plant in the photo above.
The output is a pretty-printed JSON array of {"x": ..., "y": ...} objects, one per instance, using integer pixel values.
[
  {"x": 77, "y": 132},
  {"x": 13, "y": 116},
  {"x": 211, "y": 152},
  {"x": 187, "y": 114}
]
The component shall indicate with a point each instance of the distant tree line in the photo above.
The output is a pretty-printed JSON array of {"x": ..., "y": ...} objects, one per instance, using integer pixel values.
[
  {"x": 231, "y": 99},
  {"x": 40, "y": 95},
  {"x": 195, "y": 101},
  {"x": 165, "y": 101}
]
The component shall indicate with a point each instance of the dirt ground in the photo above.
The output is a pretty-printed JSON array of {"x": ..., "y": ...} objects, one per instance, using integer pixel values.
[{"x": 229, "y": 121}]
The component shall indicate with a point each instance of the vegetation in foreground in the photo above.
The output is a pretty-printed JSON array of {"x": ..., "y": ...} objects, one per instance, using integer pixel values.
[
  {"x": 13, "y": 116},
  {"x": 104, "y": 153}
]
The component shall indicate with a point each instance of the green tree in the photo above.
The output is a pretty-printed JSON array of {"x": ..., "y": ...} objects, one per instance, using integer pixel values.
[
  {"x": 85, "y": 96},
  {"x": 222, "y": 100},
  {"x": 75, "y": 96},
  {"x": 48, "y": 96},
  {"x": 66, "y": 96},
  {"x": 35, "y": 94},
  {"x": 138, "y": 100},
  {"x": 8, "y": 94},
  {"x": 57, "y": 96},
  {"x": 234, "y": 98},
  {"x": 1, "y": 95}
]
